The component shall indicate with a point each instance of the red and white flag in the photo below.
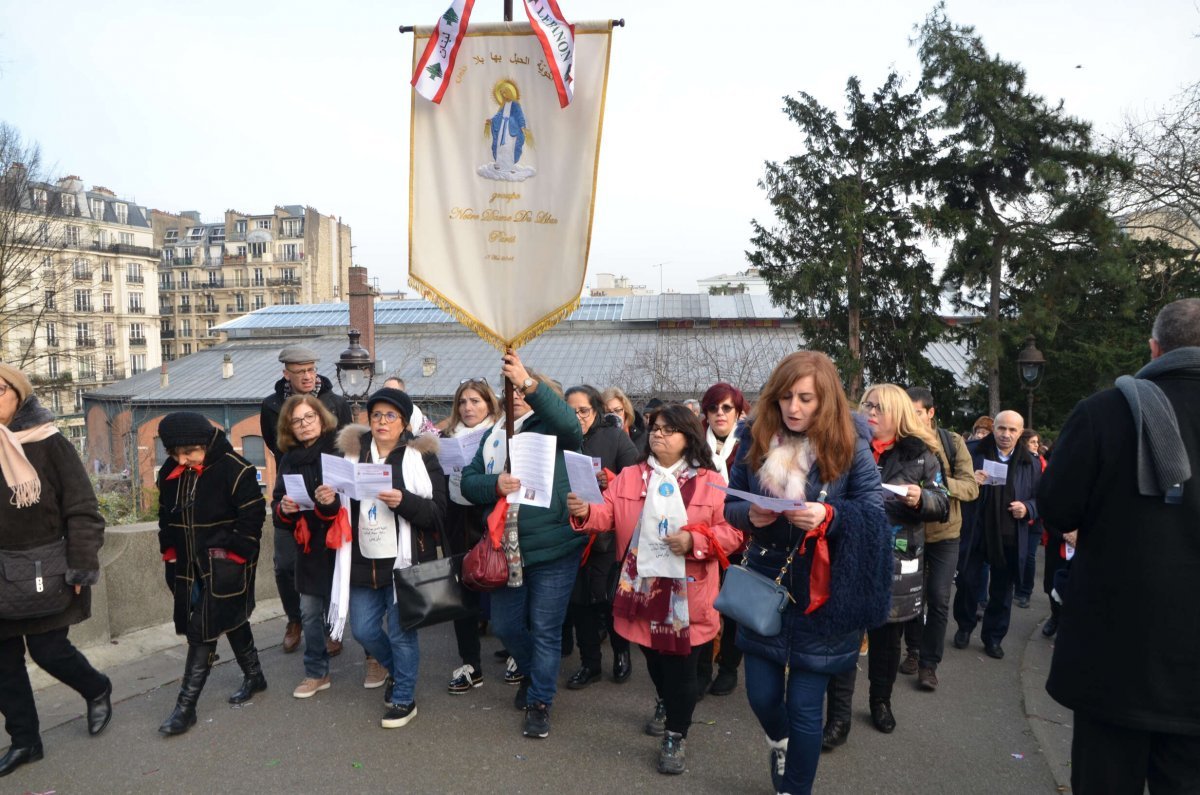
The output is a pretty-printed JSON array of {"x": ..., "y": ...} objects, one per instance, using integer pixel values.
[
  {"x": 558, "y": 43},
  {"x": 437, "y": 62}
]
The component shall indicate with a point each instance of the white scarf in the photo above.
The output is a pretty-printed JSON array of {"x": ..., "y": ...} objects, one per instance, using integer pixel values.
[
  {"x": 784, "y": 472},
  {"x": 456, "y": 477},
  {"x": 20, "y": 476},
  {"x": 663, "y": 512},
  {"x": 721, "y": 457},
  {"x": 339, "y": 597},
  {"x": 495, "y": 451}
]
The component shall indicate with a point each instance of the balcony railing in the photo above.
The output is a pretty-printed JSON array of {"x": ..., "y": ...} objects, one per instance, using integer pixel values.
[
  {"x": 124, "y": 248},
  {"x": 108, "y": 309},
  {"x": 167, "y": 334},
  {"x": 289, "y": 281},
  {"x": 85, "y": 342},
  {"x": 110, "y": 342},
  {"x": 106, "y": 278},
  {"x": 289, "y": 257},
  {"x": 208, "y": 310},
  {"x": 53, "y": 342},
  {"x": 185, "y": 308},
  {"x": 82, "y": 274},
  {"x": 235, "y": 259},
  {"x": 114, "y": 375},
  {"x": 130, "y": 279},
  {"x": 137, "y": 342},
  {"x": 164, "y": 286},
  {"x": 137, "y": 310},
  {"x": 236, "y": 237}
]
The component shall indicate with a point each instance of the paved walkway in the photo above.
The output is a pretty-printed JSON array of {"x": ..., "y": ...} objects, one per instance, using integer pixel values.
[{"x": 990, "y": 728}]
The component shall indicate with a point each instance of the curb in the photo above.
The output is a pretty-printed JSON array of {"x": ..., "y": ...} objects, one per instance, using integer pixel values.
[{"x": 1050, "y": 722}]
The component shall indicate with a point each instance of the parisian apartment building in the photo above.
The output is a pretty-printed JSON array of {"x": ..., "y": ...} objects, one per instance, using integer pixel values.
[
  {"x": 79, "y": 299},
  {"x": 217, "y": 271}
]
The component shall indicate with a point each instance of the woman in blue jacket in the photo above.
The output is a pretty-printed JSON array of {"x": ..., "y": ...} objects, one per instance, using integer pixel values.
[{"x": 804, "y": 444}]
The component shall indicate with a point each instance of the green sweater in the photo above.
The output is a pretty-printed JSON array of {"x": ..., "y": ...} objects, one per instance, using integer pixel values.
[{"x": 545, "y": 533}]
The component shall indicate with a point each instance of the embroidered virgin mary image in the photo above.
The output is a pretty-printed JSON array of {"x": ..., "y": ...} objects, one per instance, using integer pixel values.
[{"x": 508, "y": 133}]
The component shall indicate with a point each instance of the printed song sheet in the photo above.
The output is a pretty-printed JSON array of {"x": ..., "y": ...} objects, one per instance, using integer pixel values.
[
  {"x": 582, "y": 474},
  {"x": 532, "y": 456}
]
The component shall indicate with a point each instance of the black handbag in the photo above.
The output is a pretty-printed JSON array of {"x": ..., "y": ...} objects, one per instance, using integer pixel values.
[
  {"x": 33, "y": 582},
  {"x": 433, "y": 593}
]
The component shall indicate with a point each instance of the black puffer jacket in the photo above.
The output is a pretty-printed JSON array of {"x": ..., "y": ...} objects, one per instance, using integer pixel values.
[
  {"x": 67, "y": 509},
  {"x": 425, "y": 515},
  {"x": 909, "y": 461},
  {"x": 314, "y": 568}
]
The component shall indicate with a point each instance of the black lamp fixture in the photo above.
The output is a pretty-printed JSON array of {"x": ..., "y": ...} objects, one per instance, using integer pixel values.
[
  {"x": 1031, "y": 365},
  {"x": 355, "y": 370}
]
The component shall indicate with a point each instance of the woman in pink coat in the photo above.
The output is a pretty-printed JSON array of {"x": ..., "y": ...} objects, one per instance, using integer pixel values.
[{"x": 670, "y": 526}]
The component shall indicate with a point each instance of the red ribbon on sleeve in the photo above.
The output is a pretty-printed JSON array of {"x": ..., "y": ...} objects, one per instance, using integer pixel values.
[
  {"x": 339, "y": 532},
  {"x": 302, "y": 535},
  {"x": 819, "y": 576},
  {"x": 700, "y": 528}
]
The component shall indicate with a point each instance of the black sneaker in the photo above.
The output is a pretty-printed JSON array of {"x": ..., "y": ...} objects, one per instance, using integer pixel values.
[
  {"x": 521, "y": 699},
  {"x": 537, "y": 721},
  {"x": 725, "y": 683},
  {"x": 672, "y": 754},
  {"x": 389, "y": 685},
  {"x": 657, "y": 725},
  {"x": 464, "y": 679},
  {"x": 398, "y": 715},
  {"x": 511, "y": 675}
]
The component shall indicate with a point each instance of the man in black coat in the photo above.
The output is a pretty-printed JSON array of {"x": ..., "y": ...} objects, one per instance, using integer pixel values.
[
  {"x": 1127, "y": 657},
  {"x": 994, "y": 531},
  {"x": 299, "y": 378}
]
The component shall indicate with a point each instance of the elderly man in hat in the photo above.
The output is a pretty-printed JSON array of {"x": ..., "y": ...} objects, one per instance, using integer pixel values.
[{"x": 299, "y": 378}]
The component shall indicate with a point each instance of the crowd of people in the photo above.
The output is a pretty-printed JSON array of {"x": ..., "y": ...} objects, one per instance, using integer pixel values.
[{"x": 865, "y": 515}]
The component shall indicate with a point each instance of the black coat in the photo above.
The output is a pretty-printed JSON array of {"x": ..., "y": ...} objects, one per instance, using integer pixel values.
[
  {"x": 67, "y": 509},
  {"x": 981, "y": 531},
  {"x": 607, "y": 441},
  {"x": 1134, "y": 576},
  {"x": 425, "y": 515},
  {"x": 314, "y": 568},
  {"x": 271, "y": 406},
  {"x": 217, "y": 512},
  {"x": 910, "y": 461}
]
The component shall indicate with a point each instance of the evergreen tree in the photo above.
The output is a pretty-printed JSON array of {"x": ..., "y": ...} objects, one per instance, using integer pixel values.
[{"x": 843, "y": 254}]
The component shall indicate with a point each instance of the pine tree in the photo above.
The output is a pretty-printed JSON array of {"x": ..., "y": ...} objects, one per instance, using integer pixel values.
[
  {"x": 450, "y": 16},
  {"x": 434, "y": 70}
]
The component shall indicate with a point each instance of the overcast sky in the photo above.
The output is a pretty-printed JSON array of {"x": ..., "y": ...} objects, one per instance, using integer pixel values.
[{"x": 245, "y": 105}]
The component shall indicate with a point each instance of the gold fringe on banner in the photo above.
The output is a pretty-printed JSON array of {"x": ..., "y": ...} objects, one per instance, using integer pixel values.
[{"x": 486, "y": 334}]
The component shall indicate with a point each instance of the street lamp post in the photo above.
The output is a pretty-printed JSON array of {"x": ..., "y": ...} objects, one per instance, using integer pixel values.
[
  {"x": 1030, "y": 367},
  {"x": 355, "y": 371}
]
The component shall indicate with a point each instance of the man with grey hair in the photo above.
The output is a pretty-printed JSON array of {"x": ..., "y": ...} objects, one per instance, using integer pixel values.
[
  {"x": 1125, "y": 659},
  {"x": 693, "y": 405},
  {"x": 994, "y": 530}
]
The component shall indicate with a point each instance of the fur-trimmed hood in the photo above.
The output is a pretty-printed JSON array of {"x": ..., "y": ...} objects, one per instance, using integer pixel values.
[{"x": 355, "y": 438}]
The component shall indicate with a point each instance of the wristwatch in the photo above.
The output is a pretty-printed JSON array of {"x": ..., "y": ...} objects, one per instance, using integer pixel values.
[{"x": 527, "y": 385}]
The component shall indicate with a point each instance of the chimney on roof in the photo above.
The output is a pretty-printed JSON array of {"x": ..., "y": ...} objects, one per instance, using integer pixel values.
[
  {"x": 362, "y": 307},
  {"x": 164, "y": 380},
  {"x": 227, "y": 367}
]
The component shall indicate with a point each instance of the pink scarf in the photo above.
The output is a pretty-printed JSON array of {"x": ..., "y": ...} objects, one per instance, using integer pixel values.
[{"x": 19, "y": 474}]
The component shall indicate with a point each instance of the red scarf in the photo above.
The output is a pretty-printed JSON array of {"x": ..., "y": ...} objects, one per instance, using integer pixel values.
[
  {"x": 878, "y": 448},
  {"x": 179, "y": 470},
  {"x": 819, "y": 575}
]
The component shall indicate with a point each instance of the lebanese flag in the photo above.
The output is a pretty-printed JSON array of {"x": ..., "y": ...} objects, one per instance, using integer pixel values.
[
  {"x": 558, "y": 42},
  {"x": 437, "y": 62}
]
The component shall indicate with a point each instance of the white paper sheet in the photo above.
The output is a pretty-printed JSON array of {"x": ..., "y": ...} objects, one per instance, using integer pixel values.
[
  {"x": 294, "y": 487},
  {"x": 456, "y": 452},
  {"x": 583, "y": 477},
  {"x": 900, "y": 490},
  {"x": 532, "y": 457},
  {"x": 997, "y": 473},
  {"x": 777, "y": 504},
  {"x": 910, "y": 566},
  {"x": 655, "y": 558},
  {"x": 357, "y": 481}
]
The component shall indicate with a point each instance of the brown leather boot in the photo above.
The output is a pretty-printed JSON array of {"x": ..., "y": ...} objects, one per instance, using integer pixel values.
[{"x": 291, "y": 637}]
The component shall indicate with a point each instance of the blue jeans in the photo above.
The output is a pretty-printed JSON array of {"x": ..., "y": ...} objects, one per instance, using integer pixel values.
[
  {"x": 312, "y": 620},
  {"x": 799, "y": 718},
  {"x": 396, "y": 648},
  {"x": 529, "y": 621}
]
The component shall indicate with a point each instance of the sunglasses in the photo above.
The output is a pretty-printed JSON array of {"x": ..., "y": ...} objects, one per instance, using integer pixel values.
[{"x": 724, "y": 408}]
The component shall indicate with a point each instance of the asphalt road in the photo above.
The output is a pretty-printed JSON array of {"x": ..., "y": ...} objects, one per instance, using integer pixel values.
[{"x": 988, "y": 729}]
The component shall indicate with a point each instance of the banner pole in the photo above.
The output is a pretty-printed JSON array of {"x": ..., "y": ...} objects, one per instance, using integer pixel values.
[
  {"x": 508, "y": 10},
  {"x": 509, "y": 427}
]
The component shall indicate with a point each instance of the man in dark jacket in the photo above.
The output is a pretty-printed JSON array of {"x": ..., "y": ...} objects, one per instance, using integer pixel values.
[
  {"x": 994, "y": 531},
  {"x": 299, "y": 378},
  {"x": 1122, "y": 474}
]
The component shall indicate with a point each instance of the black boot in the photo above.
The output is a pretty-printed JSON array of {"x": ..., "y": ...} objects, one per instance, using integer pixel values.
[
  {"x": 195, "y": 673},
  {"x": 253, "y": 681}
]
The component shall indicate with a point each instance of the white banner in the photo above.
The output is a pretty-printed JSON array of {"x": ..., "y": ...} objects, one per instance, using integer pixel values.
[{"x": 502, "y": 181}]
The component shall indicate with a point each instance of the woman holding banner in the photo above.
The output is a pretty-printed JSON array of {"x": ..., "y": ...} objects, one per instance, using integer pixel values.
[
  {"x": 475, "y": 409},
  {"x": 834, "y": 553},
  {"x": 528, "y": 614}
]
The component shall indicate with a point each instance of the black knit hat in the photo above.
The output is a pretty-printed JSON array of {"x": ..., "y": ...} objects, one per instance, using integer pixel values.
[
  {"x": 185, "y": 429},
  {"x": 395, "y": 397}
]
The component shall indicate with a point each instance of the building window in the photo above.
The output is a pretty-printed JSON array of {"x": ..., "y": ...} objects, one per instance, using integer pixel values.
[
  {"x": 239, "y": 302},
  {"x": 83, "y": 333},
  {"x": 239, "y": 227},
  {"x": 262, "y": 223},
  {"x": 106, "y": 302},
  {"x": 293, "y": 227},
  {"x": 50, "y": 302},
  {"x": 105, "y": 272},
  {"x": 259, "y": 302},
  {"x": 100, "y": 239},
  {"x": 216, "y": 234},
  {"x": 110, "y": 366},
  {"x": 185, "y": 327},
  {"x": 258, "y": 277},
  {"x": 78, "y": 401},
  {"x": 110, "y": 336},
  {"x": 187, "y": 348},
  {"x": 195, "y": 233},
  {"x": 137, "y": 363},
  {"x": 254, "y": 451},
  {"x": 52, "y": 366},
  {"x": 257, "y": 250},
  {"x": 170, "y": 236},
  {"x": 83, "y": 300},
  {"x": 97, "y": 208},
  {"x": 70, "y": 235},
  {"x": 56, "y": 401},
  {"x": 168, "y": 352},
  {"x": 209, "y": 324},
  {"x": 168, "y": 255},
  {"x": 137, "y": 331},
  {"x": 126, "y": 237},
  {"x": 287, "y": 298},
  {"x": 51, "y": 333},
  {"x": 87, "y": 366},
  {"x": 40, "y": 199},
  {"x": 165, "y": 281},
  {"x": 184, "y": 281},
  {"x": 291, "y": 252},
  {"x": 122, "y": 214},
  {"x": 133, "y": 272},
  {"x": 135, "y": 304},
  {"x": 81, "y": 269},
  {"x": 68, "y": 203}
]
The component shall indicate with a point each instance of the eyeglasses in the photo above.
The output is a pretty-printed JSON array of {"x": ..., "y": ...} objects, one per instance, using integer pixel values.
[
  {"x": 307, "y": 419},
  {"x": 585, "y": 411},
  {"x": 380, "y": 416},
  {"x": 3, "y": 389},
  {"x": 868, "y": 407},
  {"x": 724, "y": 408},
  {"x": 476, "y": 380},
  {"x": 664, "y": 430},
  {"x": 617, "y": 411},
  {"x": 305, "y": 371}
]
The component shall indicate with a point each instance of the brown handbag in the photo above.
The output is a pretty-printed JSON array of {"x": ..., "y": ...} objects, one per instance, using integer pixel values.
[{"x": 484, "y": 567}]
